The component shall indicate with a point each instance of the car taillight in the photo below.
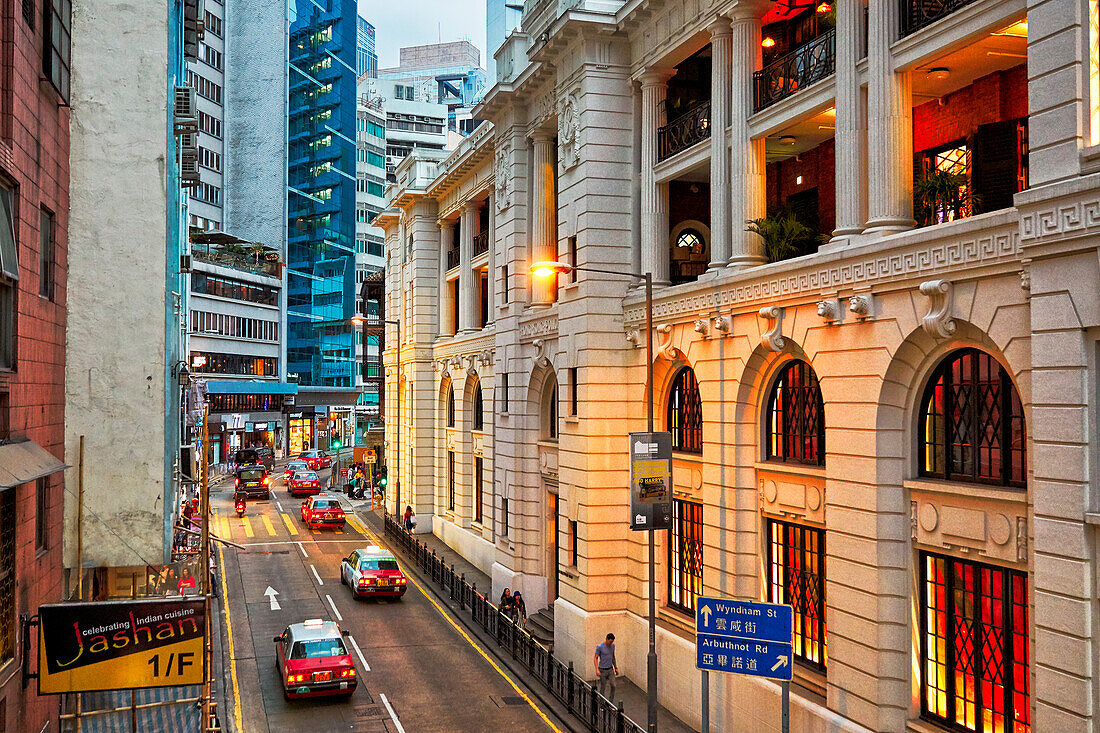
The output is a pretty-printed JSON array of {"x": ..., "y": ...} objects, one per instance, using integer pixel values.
[
  {"x": 401, "y": 581},
  {"x": 347, "y": 673},
  {"x": 236, "y": 482},
  {"x": 267, "y": 480},
  {"x": 292, "y": 678}
]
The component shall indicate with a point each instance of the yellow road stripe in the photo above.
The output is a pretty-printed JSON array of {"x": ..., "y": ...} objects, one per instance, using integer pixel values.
[
  {"x": 477, "y": 648},
  {"x": 289, "y": 524},
  {"x": 315, "y": 531},
  {"x": 232, "y": 651},
  {"x": 267, "y": 524},
  {"x": 356, "y": 525},
  {"x": 247, "y": 527},
  {"x": 223, "y": 525}
]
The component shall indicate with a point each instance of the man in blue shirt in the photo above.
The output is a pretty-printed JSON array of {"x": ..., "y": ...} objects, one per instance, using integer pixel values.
[{"x": 606, "y": 666}]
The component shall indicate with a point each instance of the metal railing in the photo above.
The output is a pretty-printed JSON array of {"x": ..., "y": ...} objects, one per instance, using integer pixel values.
[
  {"x": 481, "y": 242},
  {"x": 689, "y": 128},
  {"x": 452, "y": 258},
  {"x": 598, "y": 713},
  {"x": 916, "y": 14},
  {"x": 795, "y": 71}
]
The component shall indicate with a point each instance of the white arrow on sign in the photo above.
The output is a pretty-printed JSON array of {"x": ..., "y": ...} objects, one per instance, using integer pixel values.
[
  {"x": 271, "y": 593},
  {"x": 705, "y": 613},
  {"x": 780, "y": 661}
]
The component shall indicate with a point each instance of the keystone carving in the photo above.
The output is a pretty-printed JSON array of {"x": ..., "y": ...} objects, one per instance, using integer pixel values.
[
  {"x": 862, "y": 305},
  {"x": 723, "y": 324},
  {"x": 702, "y": 326},
  {"x": 772, "y": 339},
  {"x": 664, "y": 345},
  {"x": 829, "y": 310},
  {"x": 938, "y": 322},
  {"x": 539, "y": 345}
]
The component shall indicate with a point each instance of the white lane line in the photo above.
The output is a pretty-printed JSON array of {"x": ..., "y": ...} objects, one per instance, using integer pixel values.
[
  {"x": 333, "y": 605},
  {"x": 393, "y": 715},
  {"x": 315, "y": 575},
  {"x": 304, "y": 554},
  {"x": 359, "y": 653},
  {"x": 278, "y": 505}
]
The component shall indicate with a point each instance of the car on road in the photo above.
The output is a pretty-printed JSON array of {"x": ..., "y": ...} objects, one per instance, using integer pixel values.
[
  {"x": 303, "y": 482},
  {"x": 315, "y": 459},
  {"x": 262, "y": 455},
  {"x": 313, "y": 661},
  {"x": 373, "y": 571},
  {"x": 293, "y": 466},
  {"x": 252, "y": 481},
  {"x": 323, "y": 510}
]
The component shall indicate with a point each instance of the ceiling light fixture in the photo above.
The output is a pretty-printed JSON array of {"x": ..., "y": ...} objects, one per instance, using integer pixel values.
[
  {"x": 824, "y": 8},
  {"x": 939, "y": 73},
  {"x": 768, "y": 42},
  {"x": 787, "y": 140}
]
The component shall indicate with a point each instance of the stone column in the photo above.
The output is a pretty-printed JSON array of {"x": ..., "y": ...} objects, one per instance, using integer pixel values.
[
  {"x": 491, "y": 280},
  {"x": 720, "y": 85},
  {"x": 636, "y": 182},
  {"x": 747, "y": 180},
  {"x": 446, "y": 236},
  {"x": 654, "y": 239},
  {"x": 889, "y": 128},
  {"x": 851, "y": 197},
  {"x": 544, "y": 225},
  {"x": 467, "y": 283}
]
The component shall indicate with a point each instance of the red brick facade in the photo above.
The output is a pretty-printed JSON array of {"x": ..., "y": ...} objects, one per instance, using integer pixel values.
[
  {"x": 34, "y": 160},
  {"x": 995, "y": 97}
]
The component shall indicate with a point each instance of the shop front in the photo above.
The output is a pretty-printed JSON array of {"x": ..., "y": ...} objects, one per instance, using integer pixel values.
[{"x": 301, "y": 432}]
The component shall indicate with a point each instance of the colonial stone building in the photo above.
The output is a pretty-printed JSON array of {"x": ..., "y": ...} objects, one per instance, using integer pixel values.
[{"x": 882, "y": 390}]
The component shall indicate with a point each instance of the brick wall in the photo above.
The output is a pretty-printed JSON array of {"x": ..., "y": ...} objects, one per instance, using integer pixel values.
[
  {"x": 817, "y": 168},
  {"x": 34, "y": 157},
  {"x": 995, "y": 97}
]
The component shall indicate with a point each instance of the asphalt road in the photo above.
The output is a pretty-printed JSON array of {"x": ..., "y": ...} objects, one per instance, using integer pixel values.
[{"x": 423, "y": 674}]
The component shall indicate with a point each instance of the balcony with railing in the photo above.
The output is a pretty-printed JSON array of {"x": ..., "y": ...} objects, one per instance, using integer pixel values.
[
  {"x": 794, "y": 71},
  {"x": 481, "y": 242},
  {"x": 216, "y": 248},
  {"x": 917, "y": 14},
  {"x": 686, "y": 130},
  {"x": 452, "y": 258}
]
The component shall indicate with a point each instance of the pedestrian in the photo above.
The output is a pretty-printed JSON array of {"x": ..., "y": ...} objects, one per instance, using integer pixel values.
[
  {"x": 519, "y": 609},
  {"x": 410, "y": 520},
  {"x": 505, "y": 606},
  {"x": 607, "y": 668}
]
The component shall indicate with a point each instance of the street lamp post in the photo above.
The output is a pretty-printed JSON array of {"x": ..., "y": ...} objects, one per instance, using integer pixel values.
[{"x": 547, "y": 269}]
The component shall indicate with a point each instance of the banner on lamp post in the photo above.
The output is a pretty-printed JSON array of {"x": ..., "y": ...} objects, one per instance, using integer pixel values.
[{"x": 650, "y": 481}]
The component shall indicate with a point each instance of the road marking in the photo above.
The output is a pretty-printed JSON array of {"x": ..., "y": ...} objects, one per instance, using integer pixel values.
[
  {"x": 333, "y": 605},
  {"x": 267, "y": 524},
  {"x": 339, "y": 531},
  {"x": 393, "y": 715},
  {"x": 304, "y": 553},
  {"x": 315, "y": 575},
  {"x": 315, "y": 531},
  {"x": 289, "y": 524},
  {"x": 227, "y": 531},
  {"x": 247, "y": 527},
  {"x": 271, "y": 593},
  {"x": 359, "y": 653},
  {"x": 229, "y": 637},
  {"x": 356, "y": 525},
  {"x": 278, "y": 505}
]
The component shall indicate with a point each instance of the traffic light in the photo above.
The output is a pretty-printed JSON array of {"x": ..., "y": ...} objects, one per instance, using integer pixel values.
[
  {"x": 336, "y": 443},
  {"x": 382, "y": 482}
]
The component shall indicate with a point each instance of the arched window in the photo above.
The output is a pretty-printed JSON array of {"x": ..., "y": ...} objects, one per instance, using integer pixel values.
[
  {"x": 685, "y": 413},
  {"x": 796, "y": 417},
  {"x": 550, "y": 410},
  {"x": 479, "y": 409},
  {"x": 451, "y": 406},
  {"x": 972, "y": 422}
]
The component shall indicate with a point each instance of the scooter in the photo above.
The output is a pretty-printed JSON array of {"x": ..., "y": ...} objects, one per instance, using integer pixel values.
[{"x": 240, "y": 507}]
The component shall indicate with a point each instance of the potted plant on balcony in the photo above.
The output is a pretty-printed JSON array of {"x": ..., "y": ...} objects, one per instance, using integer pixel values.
[
  {"x": 942, "y": 195},
  {"x": 784, "y": 236}
]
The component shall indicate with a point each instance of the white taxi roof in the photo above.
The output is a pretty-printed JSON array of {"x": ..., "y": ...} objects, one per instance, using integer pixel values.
[
  {"x": 375, "y": 552},
  {"x": 314, "y": 629}
]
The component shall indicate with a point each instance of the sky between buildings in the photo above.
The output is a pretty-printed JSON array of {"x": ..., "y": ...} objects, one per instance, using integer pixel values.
[{"x": 416, "y": 22}]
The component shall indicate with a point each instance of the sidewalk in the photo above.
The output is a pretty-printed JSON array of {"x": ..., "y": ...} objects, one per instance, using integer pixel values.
[{"x": 632, "y": 697}]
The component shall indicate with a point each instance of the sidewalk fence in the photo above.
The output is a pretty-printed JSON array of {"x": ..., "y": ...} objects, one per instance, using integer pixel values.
[{"x": 560, "y": 679}]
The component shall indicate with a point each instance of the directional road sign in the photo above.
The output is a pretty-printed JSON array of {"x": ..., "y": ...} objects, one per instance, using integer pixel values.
[{"x": 744, "y": 637}]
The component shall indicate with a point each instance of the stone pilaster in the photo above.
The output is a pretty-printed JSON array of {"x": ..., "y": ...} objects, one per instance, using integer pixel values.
[
  {"x": 720, "y": 87},
  {"x": 889, "y": 128},
  {"x": 467, "y": 278},
  {"x": 544, "y": 225},
  {"x": 747, "y": 177},
  {"x": 491, "y": 280},
  {"x": 446, "y": 318},
  {"x": 851, "y": 178},
  {"x": 654, "y": 213}
]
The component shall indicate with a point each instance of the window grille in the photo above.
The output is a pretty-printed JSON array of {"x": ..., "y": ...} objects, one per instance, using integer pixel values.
[
  {"x": 796, "y": 576},
  {"x": 796, "y": 417},
  {"x": 685, "y": 555},
  {"x": 685, "y": 413}
]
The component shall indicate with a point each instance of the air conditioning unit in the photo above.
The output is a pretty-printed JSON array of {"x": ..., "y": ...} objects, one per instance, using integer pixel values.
[
  {"x": 193, "y": 16},
  {"x": 189, "y": 172},
  {"x": 185, "y": 263},
  {"x": 189, "y": 143},
  {"x": 184, "y": 111}
]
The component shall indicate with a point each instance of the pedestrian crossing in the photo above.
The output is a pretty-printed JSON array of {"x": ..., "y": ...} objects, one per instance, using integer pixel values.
[{"x": 265, "y": 526}]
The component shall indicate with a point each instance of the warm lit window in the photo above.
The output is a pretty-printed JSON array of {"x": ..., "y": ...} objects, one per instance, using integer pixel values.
[
  {"x": 685, "y": 555},
  {"x": 972, "y": 422},
  {"x": 974, "y": 644},
  {"x": 796, "y": 417},
  {"x": 685, "y": 413},
  {"x": 796, "y": 577}
]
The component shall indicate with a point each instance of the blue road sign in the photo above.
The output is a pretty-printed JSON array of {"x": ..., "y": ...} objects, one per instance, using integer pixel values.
[{"x": 744, "y": 637}]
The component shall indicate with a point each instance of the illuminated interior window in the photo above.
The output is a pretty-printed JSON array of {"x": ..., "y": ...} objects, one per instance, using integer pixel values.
[{"x": 796, "y": 577}]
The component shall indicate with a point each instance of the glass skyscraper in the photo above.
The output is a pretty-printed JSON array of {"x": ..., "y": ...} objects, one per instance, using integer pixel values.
[
  {"x": 321, "y": 287},
  {"x": 366, "y": 60}
]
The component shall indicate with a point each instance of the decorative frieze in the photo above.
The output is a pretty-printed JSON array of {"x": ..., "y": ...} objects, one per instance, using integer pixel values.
[{"x": 541, "y": 328}]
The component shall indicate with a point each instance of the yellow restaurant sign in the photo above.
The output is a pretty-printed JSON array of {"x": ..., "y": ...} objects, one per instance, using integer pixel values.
[{"x": 120, "y": 645}]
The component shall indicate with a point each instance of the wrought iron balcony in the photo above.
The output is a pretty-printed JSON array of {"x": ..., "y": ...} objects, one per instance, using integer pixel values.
[
  {"x": 689, "y": 128},
  {"x": 795, "y": 71},
  {"x": 452, "y": 258},
  {"x": 481, "y": 242},
  {"x": 916, "y": 14}
]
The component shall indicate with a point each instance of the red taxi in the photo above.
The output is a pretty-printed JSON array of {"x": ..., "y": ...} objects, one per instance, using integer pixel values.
[
  {"x": 303, "y": 482},
  {"x": 313, "y": 661},
  {"x": 373, "y": 571},
  {"x": 293, "y": 467},
  {"x": 323, "y": 510},
  {"x": 315, "y": 459}
]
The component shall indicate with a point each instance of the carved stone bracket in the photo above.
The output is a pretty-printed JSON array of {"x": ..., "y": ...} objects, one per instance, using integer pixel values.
[
  {"x": 502, "y": 181},
  {"x": 569, "y": 133},
  {"x": 1025, "y": 274},
  {"x": 702, "y": 326},
  {"x": 772, "y": 339},
  {"x": 664, "y": 345},
  {"x": 863, "y": 306},
  {"x": 829, "y": 310},
  {"x": 938, "y": 322},
  {"x": 723, "y": 324},
  {"x": 540, "y": 345},
  {"x": 634, "y": 337}
]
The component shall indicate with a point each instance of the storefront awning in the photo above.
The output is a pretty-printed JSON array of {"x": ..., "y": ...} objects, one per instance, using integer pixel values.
[
  {"x": 26, "y": 461},
  {"x": 242, "y": 387}
]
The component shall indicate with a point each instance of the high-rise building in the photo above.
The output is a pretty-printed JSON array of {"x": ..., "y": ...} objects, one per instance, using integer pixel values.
[
  {"x": 366, "y": 60},
  {"x": 321, "y": 287},
  {"x": 206, "y": 75},
  {"x": 412, "y": 125},
  {"x": 501, "y": 18},
  {"x": 441, "y": 73}
]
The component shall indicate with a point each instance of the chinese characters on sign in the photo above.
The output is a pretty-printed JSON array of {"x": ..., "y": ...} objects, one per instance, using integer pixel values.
[{"x": 745, "y": 637}]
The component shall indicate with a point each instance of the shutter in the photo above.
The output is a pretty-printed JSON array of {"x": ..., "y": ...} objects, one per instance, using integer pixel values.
[{"x": 995, "y": 165}]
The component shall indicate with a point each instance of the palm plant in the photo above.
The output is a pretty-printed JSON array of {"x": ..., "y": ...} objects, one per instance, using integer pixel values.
[
  {"x": 784, "y": 236},
  {"x": 942, "y": 195}
]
